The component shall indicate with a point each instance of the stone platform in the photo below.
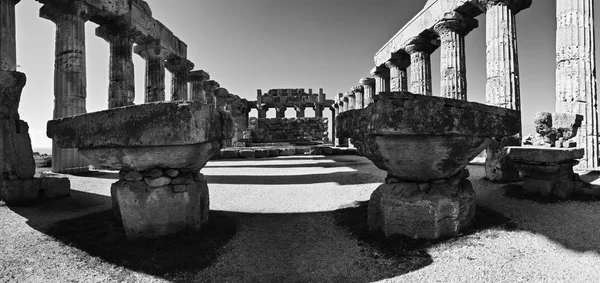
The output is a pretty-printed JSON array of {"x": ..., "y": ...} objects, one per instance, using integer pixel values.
[{"x": 547, "y": 171}]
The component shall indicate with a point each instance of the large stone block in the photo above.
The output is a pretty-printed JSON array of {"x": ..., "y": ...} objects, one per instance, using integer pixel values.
[
  {"x": 55, "y": 187},
  {"x": 533, "y": 154},
  {"x": 20, "y": 192},
  {"x": 422, "y": 210},
  {"x": 152, "y": 212},
  {"x": 16, "y": 154}
]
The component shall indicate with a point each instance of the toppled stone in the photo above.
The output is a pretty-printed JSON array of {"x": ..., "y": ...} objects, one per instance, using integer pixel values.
[
  {"x": 171, "y": 173},
  {"x": 157, "y": 182}
]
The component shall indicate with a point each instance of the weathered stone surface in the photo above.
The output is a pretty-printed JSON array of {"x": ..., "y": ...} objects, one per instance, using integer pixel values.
[
  {"x": 172, "y": 173},
  {"x": 230, "y": 153},
  {"x": 55, "y": 187},
  {"x": 15, "y": 148},
  {"x": 184, "y": 178},
  {"x": 179, "y": 188},
  {"x": 153, "y": 173},
  {"x": 157, "y": 182},
  {"x": 19, "y": 192},
  {"x": 152, "y": 124},
  {"x": 11, "y": 85},
  {"x": 420, "y": 138},
  {"x": 247, "y": 153},
  {"x": 273, "y": 152},
  {"x": 535, "y": 155},
  {"x": 261, "y": 153},
  {"x": 154, "y": 212},
  {"x": 499, "y": 168},
  {"x": 287, "y": 151},
  {"x": 404, "y": 208},
  {"x": 289, "y": 130}
]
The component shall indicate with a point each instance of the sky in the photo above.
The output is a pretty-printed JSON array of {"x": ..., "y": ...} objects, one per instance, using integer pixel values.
[{"x": 247, "y": 45}]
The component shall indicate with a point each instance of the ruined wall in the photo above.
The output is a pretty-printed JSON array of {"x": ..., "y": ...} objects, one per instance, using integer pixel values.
[{"x": 288, "y": 129}]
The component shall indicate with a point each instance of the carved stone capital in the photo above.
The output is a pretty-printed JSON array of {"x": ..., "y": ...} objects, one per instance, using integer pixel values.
[
  {"x": 349, "y": 94},
  {"x": 514, "y": 5},
  {"x": 211, "y": 85},
  {"x": 357, "y": 89},
  {"x": 152, "y": 49},
  {"x": 198, "y": 76},
  {"x": 63, "y": 11},
  {"x": 175, "y": 65},
  {"x": 421, "y": 44},
  {"x": 367, "y": 81},
  {"x": 455, "y": 22},
  {"x": 381, "y": 72}
]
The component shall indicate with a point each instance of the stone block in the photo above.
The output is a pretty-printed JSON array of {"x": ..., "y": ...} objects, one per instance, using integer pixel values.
[
  {"x": 20, "y": 192},
  {"x": 179, "y": 188},
  {"x": 261, "y": 153},
  {"x": 16, "y": 155},
  {"x": 273, "y": 152},
  {"x": 406, "y": 209},
  {"x": 133, "y": 176},
  {"x": 157, "y": 182},
  {"x": 183, "y": 178},
  {"x": 327, "y": 150},
  {"x": 153, "y": 173},
  {"x": 55, "y": 187},
  {"x": 172, "y": 173},
  {"x": 247, "y": 153},
  {"x": 154, "y": 212},
  {"x": 532, "y": 154},
  {"x": 287, "y": 151},
  {"x": 230, "y": 153}
]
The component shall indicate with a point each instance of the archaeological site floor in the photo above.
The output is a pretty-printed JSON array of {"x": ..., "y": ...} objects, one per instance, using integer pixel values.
[{"x": 300, "y": 219}]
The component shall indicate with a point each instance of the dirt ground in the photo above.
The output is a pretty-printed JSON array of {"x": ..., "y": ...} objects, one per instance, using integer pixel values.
[{"x": 299, "y": 219}]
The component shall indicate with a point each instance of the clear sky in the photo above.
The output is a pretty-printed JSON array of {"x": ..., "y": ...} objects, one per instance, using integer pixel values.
[{"x": 260, "y": 44}]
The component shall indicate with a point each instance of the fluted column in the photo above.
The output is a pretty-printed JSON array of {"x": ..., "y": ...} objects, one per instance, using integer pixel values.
[
  {"x": 210, "y": 86},
  {"x": 179, "y": 67},
  {"x": 502, "y": 88},
  {"x": 351, "y": 100},
  {"x": 155, "y": 56},
  {"x": 382, "y": 79},
  {"x": 358, "y": 97},
  {"x": 8, "y": 50},
  {"x": 576, "y": 72},
  {"x": 452, "y": 30},
  {"x": 70, "y": 82},
  {"x": 196, "y": 80},
  {"x": 336, "y": 112},
  {"x": 368, "y": 85},
  {"x": 319, "y": 106},
  {"x": 398, "y": 75},
  {"x": 420, "y": 48},
  {"x": 121, "y": 85},
  {"x": 280, "y": 112},
  {"x": 333, "y": 115}
]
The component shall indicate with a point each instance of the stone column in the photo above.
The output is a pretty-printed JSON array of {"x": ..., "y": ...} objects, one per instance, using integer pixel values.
[
  {"x": 333, "y": 115},
  {"x": 420, "y": 48},
  {"x": 70, "y": 80},
  {"x": 397, "y": 66},
  {"x": 262, "y": 112},
  {"x": 280, "y": 112},
  {"x": 382, "y": 79},
  {"x": 196, "y": 80},
  {"x": 319, "y": 106},
  {"x": 155, "y": 56},
  {"x": 121, "y": 85},
  {"x": 346, "y": 102},
  {"x": 351, "y": 100},
  {"x": 210, "y": 86},
  {"x": 359, "y": 97},
  {"x": 179, "y": 67},
  {"x": 502, "y": 88},
  {"x": 368, "y": 85},
  {"x": 8, "y": 50},
  {"x": 452, "y": 30},
  {"x": 299, "y": 111},
  {"x": 576, "y": 72}
]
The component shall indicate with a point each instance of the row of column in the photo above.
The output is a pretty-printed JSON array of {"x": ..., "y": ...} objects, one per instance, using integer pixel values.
[{"x": 300, "y": 109}]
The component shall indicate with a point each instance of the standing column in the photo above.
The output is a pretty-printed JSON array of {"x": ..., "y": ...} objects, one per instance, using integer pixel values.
[
  {"x": 420, "y": 48},
  {"x": 280, "y": 112},
  {"x": 155, "y": 56},
  {"x": 8, "y": 50},
  {"x": 502, "y": 88},
  {"x": 196, "y": 80},
  {"x": 70, "y": 81},
  {"x": 576, "y": 72},
  {"x": 210, "y": 86},
  {"x": 368, "y": 85},
  {"x": 121, "y": 85},
  {"x": 336, "y": 112},
  {"x": 262, "y": 112},
  {"x": 299, "y": 111},
  {"x": 452, "y": 30},
  {"x": 350, "y": 100},
  {"x": 398, "y": 76},
  {"x": 179, "y": 67},
  {"x": 359, "y": 97},
  {"x": 319, "y": 105},
  {"x": 333, "y": 115},
  {"x": 382, "y": 79}
]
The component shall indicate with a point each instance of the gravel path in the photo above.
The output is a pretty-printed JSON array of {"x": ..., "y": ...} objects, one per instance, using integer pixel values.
[{"x": 296, "y": 220}]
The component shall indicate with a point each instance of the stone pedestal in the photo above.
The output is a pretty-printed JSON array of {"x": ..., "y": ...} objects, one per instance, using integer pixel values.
[
  {"x": 159, "y": 202},
  {"x": 576, "y": 72},
  {"x": 179, "y": 68},
  {"x": 419, "y": 48},
  {"x": 196, "y": 80},
  {"x": 429, "y": 210},
  {"x": 547, "y": 171}
]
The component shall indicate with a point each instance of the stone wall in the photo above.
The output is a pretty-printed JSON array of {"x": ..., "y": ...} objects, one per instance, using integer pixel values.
[{"x": 288, "y": 129}]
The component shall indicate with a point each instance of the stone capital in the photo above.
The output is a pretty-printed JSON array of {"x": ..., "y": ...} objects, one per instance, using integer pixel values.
[
  {"x": 198, "y": 76},
  {"x": 175, "y": 65},
  {"x": 514, "y": 5},
  {"x": 152, "y": 49},
  {"x": 381, "y": 72},
  {"x": 421, "y": 44},
  {"x": 62, "y": 11},
  {"x": 211, "y": 85},
  {"x": 367, "y": 81},
  {"x": 358, "y": 89},
  {"x": 348, "y": 95},
  {"x": 455, "y": 22}
]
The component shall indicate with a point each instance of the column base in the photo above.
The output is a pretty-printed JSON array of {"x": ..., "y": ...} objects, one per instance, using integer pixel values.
[
  {"x": 156, "y": 203},
  {"x": 432, "y": 210},
  {"x": 31, "y": 191}
]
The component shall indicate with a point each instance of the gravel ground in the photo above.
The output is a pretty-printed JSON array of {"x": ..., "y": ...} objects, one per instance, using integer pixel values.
[{"x": 296, "y": 219}]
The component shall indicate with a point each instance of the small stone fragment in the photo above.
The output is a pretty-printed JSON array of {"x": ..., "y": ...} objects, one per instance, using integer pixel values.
[
  {"x": 172, "y": 173},
  {"x": 133, "y": 176},
  {"x": 180, "y": 188},
  {"x": 157, "y": 182},
  {"x": 424, "y": 187},
  {"x": 153, "y": 173},
  {"x": 183, "y": 178},
  {"x": 198, "y": 176}
]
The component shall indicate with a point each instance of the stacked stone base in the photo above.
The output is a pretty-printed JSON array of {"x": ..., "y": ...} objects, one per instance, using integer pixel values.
[
  {"x": 549, "y": 179},
  {"x": 431, "y": 210},
  {"x": 159, "y": 202}
]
